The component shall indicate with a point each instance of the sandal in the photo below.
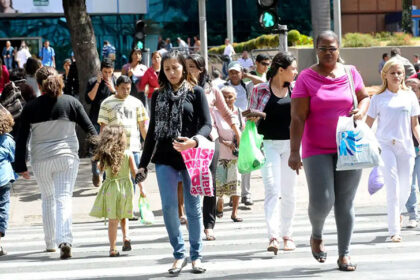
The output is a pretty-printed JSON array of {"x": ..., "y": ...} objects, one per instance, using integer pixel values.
[
  {"x": 236, "y": 219},
  {"x": 175, "y": 270},
  {"x": 219, "y": 214},
  {"x": 396, "y": 238},
  {"x": 197, "y": 268},
  {"x": 127, "y": 245},
  {"x": 319, "y": 256},
  {"x": 114, "y": 253},
  {"x": 209, "y": 236},
  {"x": 183, "y": 220},
  {"x": 273, "y": 246},
  {"x": 289, "y": 244},
  {"x": 346, "y": 266}
]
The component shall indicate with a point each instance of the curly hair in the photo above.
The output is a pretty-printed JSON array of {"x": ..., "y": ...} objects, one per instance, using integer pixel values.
[
  {"x": 110, "y": 148},
  {"x": 6, "y": 121}
]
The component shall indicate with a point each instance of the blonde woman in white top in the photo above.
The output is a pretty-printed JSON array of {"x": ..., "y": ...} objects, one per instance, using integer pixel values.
[{"x": 396, "y": 108}]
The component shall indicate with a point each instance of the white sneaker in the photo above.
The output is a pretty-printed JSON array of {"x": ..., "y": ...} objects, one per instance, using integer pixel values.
[{"x": 412, "y": 224}]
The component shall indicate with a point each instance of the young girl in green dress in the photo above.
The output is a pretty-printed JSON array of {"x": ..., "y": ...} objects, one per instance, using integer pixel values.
[{"x": 115, "y": 197}]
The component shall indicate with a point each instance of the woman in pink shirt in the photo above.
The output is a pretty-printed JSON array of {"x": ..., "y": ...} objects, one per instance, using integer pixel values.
[{"x": 322, "y": 94}]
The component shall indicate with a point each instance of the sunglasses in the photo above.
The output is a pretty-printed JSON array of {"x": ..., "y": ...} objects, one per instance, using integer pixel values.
[
  {"x": 265, "y": 63},
  {"x": 325, "y": 49}
]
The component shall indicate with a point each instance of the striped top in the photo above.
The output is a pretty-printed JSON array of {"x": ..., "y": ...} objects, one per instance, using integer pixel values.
[{"x": 127, "y": 112}]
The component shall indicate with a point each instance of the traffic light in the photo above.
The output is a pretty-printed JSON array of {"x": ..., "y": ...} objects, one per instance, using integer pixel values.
[
  {"x": 267, "y": 14},
  {"x": 140, "y": 35}
]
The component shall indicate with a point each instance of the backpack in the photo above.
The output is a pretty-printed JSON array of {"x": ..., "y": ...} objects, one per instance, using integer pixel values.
[{"x": 12, "y": 100}]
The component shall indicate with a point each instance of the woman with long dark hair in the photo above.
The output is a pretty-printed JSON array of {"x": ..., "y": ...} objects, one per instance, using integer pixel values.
[
  {"x": 179, "y": 113},
  {"x": 270, "y": 103},
  {"x": 135, "y": 70},
  {"x": 197, "y": 68}
]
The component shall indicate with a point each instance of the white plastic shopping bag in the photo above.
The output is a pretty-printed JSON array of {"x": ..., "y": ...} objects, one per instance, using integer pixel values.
[{"x": 357, "y": 146}]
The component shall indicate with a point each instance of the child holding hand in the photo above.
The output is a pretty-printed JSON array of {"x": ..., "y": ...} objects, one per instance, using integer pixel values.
[{"x": 115, "y": 197}]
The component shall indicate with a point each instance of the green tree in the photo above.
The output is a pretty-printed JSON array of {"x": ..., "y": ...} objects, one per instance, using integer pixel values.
[{"x": 406, "y": 22}]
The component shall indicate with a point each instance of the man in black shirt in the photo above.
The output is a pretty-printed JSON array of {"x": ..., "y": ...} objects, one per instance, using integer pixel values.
[{"x": 97, "y": 89}]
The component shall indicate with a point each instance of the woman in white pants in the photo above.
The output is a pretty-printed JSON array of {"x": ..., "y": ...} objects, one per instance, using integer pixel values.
[
  {"x": 51, "y": 121},
  {"x": 270, "y": 103},
  {"x": 396, "y": 108}
]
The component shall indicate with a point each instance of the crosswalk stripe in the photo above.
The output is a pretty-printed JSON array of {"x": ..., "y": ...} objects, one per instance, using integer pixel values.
[
  {"x": 214, "y": 266},
  {"x": 150, "y": 246}
]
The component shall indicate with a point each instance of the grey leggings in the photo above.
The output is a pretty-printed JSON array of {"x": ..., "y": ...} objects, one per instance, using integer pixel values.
[{"x": 328, "y": 187}]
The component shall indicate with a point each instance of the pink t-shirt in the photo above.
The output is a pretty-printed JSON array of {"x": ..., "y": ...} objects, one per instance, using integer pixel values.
[{"x": 330, "y": 98}]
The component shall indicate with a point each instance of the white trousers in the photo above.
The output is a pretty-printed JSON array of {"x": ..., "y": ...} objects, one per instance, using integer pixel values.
[
  {"x": 279, "y": 183},
  {"x": 397, "y": 171},
  {"x": 56, "y": 178}
]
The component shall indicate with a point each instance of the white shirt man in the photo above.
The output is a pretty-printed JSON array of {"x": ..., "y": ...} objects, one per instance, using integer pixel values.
[{"x": 245, "y": 61}]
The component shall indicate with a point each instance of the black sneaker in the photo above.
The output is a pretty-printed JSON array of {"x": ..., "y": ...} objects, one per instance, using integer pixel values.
[
  {"x": 247, "y": 201},
  {"x": 65, "y": 251},
  {"x": 2, "y": 252}
]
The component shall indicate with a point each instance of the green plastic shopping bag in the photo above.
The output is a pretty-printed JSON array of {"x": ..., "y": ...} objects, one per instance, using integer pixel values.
[
  {"x": 146, "y": 214},
  {"x": 251, "y": 156}
]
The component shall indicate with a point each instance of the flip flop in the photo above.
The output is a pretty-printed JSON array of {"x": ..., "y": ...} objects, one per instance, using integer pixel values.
[
  {"x": 346, "y": 266},
  {"x": 183, "y": 220},
  {"x": 236, "y": 219},
  {"x": 127, "y": 245},
  {"x": 219, "y": 214},
  {"x": 209, "y": 236},
  {"x": 320, "y": 256},
  {"x": 114, "y": 253}
]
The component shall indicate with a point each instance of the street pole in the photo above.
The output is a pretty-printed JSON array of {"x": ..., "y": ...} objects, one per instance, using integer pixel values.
[
  {"x": 203, "y": 29},
  {"x": 229, "y": 20},
  {"x": 337, "y": 18},
  {"x": 282, "y": 37}
]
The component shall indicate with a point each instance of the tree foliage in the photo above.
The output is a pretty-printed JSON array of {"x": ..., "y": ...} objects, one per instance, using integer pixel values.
[{"x": 406, "y": 22}]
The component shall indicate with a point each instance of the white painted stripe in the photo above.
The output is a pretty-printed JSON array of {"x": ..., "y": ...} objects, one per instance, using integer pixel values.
[
  {"x": 226, "y": 227},
  {"x": 240, "y": 241},
  {"x": 213, "y": 266},
  {"x": 357, "y": 249},
  {"x": 139, "y": 234}
]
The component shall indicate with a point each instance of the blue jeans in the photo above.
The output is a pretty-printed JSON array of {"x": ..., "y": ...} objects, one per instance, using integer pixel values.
[
  {"x": 9, "y": 63},
  {"x": 411, "y": 204},
  {"x": 4, "y": 207},
  {"x": 137, "y": 156},
  {"x": 167, "y": 178},
  {"x": 225, "y": 68}
]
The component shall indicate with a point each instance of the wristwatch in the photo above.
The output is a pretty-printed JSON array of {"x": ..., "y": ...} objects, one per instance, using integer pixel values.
[{"x": 195, "y": 138}]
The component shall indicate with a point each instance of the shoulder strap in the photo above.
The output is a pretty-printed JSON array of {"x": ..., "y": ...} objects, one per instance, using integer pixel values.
[
  {"x": 351, "y": 82},
  {"x": 246, "y": 89}
]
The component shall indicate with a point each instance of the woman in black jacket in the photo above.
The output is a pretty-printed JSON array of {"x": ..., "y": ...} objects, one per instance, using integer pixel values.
[{"x": 179, "y": 112}]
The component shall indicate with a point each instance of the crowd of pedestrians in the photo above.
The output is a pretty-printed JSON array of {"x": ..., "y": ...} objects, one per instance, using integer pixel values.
[{"x": 181, "y": 107}]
